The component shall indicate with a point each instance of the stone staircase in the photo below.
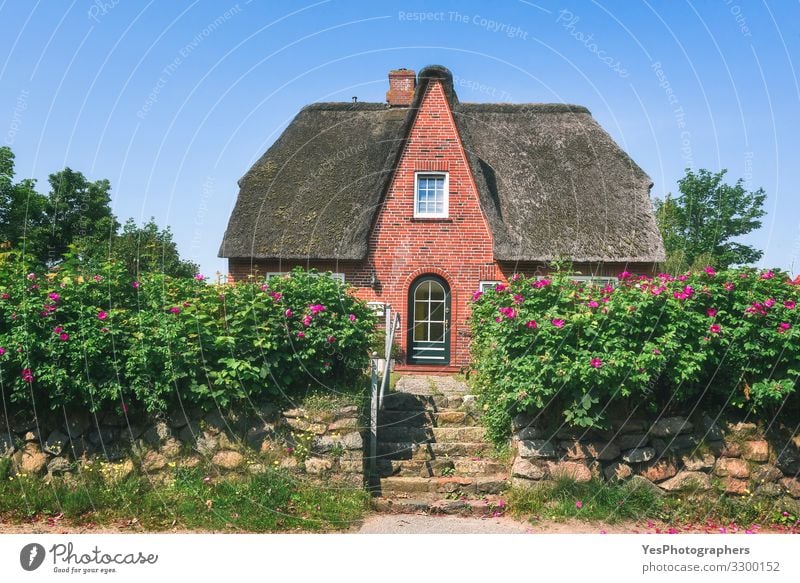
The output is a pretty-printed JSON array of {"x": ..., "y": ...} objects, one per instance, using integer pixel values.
[{"x": 432, "y": 452}]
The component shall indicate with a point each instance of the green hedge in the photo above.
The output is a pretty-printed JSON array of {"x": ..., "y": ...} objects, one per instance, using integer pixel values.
[
  {"x": 581, "y": 350},
  {"x": 100, "y": 340}
]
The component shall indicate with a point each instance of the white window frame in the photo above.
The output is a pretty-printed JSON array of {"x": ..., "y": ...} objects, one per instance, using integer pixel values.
[
  {"x": 446, "y": 203},
  {"x": 487, "y": 285}
]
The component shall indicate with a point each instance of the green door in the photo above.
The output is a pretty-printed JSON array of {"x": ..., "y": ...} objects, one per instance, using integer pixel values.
[{"x": 429, "y": 313}]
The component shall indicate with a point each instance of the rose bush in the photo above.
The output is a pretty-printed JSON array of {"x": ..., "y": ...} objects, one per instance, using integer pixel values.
[
  {"x": 100, "y": 340},
  {"x": 583, "y": 350}
]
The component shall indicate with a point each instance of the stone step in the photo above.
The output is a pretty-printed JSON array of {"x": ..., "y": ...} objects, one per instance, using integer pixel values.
[
  {"x": 466, "y": 466},
  {"x": 430, "y": 385},
  {"x": 459, "y": 466},
  {"x": 432, "y": 434},
  {"x": 410, "y": 450},
  {"x": 489, "y": 505},
  {"x": 424, "y": 417},
  {"x": 460, "y": 485},
  {"x": 409, "y": 402}
]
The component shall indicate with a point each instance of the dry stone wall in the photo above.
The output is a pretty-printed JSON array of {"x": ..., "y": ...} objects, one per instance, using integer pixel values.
[
  {"x": 669, "y": 454},
  {"x": 325, "y": 444}
]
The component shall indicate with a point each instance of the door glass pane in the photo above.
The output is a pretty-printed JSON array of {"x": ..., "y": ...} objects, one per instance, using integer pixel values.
[
  {"x": 437, "y": 312},
  {"x": 420, "y": 332},
  {"x": 437, "y": 332},
  {"x": 422, "y": 291},
  {"x": 437, "y": 291},
  {"x": 420, "y": 311}
]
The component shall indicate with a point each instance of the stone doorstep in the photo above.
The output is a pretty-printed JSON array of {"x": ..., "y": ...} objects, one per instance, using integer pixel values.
[{"x": 430, "y": 384}]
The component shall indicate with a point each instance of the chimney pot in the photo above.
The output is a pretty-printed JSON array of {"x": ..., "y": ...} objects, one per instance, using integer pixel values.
[{"x": 402, "y": 83}]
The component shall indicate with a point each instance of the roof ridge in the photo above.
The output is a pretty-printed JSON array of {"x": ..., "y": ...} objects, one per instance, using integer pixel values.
[
  {"x": 517, "y": 107},
  {"x": 347, "y": 105}
]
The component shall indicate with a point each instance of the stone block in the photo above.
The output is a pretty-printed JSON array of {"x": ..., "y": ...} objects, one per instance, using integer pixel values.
[
  {"x": 735, "y": 486},
  {"x": 766, "y": 473},
  {"x": 632, "y": 440},
  {"x": 153, "y": 461},
  {"x": 577, "y": 471},
  {"x": 638, "y": 455},
  {"x": 30, "y": 460},
  {"x": 157, "y": 433},
  {"x": 698, "y": 462},
  {"x": 755, "y": 450},
  {"x": 604, "y": 451},
  {"x": 674, "y": 444},
  {"x": 687, "y": 481},
  {"x": 347, "y": 423},
  {"x": 317, "y": 465},
  {"x": 617, "y": 472},
  {"x": 791, "y": 486},
  {"x": 58, "y": 465},
  {"x": 658, "y": 470},
  {"x": 491, "y": 484},
  {"x": 623, "y": 426},
  {"x": 524, "y": 468},
  {"x": 530, "y": 433},
  {"x": 536, "y": 448},
  {"x": 770, "y": 490},
  {"x": 711, "y": 430},
  {"x": 671, "y": 426},
  {"x": 637, "y": 482},
  {"x": 731, "y": 467},
  {"x": 228, "y": 460}
]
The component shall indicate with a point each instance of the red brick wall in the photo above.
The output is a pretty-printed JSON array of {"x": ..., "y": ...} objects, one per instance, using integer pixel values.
[{"x": 456, "y": 248}]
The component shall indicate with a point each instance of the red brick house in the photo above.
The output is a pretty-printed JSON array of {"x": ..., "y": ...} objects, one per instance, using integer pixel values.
[{"x": 421, "y": 201}]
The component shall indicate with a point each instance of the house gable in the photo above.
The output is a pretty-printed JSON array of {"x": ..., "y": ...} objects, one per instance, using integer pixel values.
[{"x": 457, "y": 248}]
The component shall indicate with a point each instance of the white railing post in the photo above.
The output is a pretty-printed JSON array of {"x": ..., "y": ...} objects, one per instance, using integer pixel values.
[
  {"x": 387, "y": 346},
  {"x": 373, "y": 416}
]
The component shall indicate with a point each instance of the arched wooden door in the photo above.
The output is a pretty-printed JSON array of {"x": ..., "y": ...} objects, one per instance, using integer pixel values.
[{"x": 429, "y": 318}]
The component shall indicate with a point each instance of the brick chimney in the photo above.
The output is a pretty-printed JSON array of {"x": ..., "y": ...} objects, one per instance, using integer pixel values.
[{"x": 401, "y": 87}]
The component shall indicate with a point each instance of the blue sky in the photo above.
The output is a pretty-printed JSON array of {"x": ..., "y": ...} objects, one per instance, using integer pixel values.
[{"x": 173, "y": 101}]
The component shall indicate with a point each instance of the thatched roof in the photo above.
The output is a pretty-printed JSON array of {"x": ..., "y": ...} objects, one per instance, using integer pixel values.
[{"x": 552, "y": 183}]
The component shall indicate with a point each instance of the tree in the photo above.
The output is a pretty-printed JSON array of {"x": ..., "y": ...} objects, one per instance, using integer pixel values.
[
  {"x": 79, "y": 213},
  {"x": 700, "y": 225},
  {"x": 75, "y": 222},
  {"x": 149, "y": 249},
  {"x": 22, "y": 209}
]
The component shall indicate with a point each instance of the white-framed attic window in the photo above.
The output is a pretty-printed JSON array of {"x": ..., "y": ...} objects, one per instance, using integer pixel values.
[{"x": 431, "y": 195}]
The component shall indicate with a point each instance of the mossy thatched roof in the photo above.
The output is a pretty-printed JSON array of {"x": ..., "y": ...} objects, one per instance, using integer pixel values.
[{"x": 552, "y": 183}]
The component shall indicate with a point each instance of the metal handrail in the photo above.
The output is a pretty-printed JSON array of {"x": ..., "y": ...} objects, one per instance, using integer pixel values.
[
  {"x": 377, "y": 394},
  {"x": 387, "y": 369}
]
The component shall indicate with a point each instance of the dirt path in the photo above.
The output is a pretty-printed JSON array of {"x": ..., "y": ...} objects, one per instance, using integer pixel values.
[{"x": 407, "y": 524}]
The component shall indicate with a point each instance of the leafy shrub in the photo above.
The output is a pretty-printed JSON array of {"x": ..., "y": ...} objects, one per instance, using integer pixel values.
[
  {"x": 582, "y": 349},
  {"x": 100, "y": 340}
]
